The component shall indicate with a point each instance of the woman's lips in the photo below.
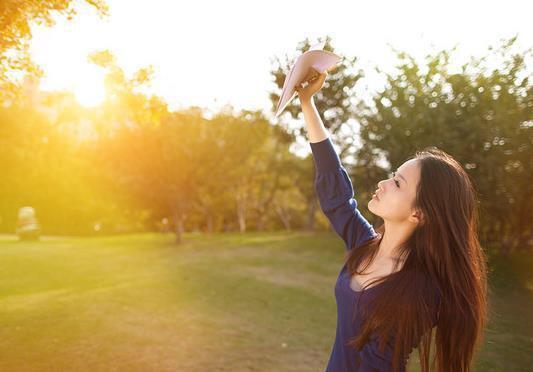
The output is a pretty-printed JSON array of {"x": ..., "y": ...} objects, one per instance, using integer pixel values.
[{"x": 374, "y": 196}]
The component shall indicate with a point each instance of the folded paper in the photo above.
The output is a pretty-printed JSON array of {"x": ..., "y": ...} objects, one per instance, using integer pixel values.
[{"x": 317, "y": 58}]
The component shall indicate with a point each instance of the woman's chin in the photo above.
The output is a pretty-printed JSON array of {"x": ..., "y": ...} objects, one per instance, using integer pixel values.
[{"x": 370, "y": 206}]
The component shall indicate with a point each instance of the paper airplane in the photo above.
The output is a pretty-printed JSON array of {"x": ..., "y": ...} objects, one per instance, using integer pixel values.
[{"x": 317, "y": 58}]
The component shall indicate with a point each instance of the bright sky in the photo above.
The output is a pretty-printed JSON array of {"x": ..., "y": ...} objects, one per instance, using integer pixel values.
[{"x": 211, "y": 53}]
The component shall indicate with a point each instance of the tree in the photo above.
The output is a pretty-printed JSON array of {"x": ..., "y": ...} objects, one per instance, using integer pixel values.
[
  {"x": 248, "y": 164},
  {"x": 16, "y": 17}
]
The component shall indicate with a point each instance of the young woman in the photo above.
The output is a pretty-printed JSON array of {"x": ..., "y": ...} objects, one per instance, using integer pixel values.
[{"x": 420, "y": 276}]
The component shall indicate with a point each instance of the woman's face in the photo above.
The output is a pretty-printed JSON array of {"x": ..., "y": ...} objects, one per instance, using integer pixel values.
[{"x": 394, "y": 199}]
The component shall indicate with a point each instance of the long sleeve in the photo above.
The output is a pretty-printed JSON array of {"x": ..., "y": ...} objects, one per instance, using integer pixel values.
[{"x": 336, "y": 196}]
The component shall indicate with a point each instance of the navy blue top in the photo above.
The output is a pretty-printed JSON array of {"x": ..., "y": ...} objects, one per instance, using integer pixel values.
[{"x": 336, "y": 196}]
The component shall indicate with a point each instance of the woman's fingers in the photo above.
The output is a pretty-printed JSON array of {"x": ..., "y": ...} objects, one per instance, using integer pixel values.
[
  {"x": 311, "y": 76},
  {"x": 312, "y": 82}
]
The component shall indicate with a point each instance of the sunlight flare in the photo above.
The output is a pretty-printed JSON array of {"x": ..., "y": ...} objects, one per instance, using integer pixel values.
[{"x": 90, "y": 89}]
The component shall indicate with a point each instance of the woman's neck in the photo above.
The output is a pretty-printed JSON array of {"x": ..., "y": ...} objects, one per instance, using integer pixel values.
[{"x": 394, "y": 235}]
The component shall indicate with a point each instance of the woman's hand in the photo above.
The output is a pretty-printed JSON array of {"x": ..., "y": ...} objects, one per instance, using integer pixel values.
[{"x": 315, "y": 80}]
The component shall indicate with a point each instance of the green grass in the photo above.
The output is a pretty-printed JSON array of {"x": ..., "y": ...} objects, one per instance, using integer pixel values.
[{"x": 231, "y": 302}]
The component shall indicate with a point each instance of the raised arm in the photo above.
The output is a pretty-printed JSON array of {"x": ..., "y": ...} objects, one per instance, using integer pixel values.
[
  {"x": 316, "y": 132},
  {"x": 332, "y": 184},
  {"x": 336, "y": 196}
]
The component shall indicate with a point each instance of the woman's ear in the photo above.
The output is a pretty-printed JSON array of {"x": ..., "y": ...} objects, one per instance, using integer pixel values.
[{"x": 417, "y": 217}]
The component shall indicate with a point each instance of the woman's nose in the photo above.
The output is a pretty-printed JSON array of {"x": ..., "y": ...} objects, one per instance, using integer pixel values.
[{"x": 380, "y": 184}]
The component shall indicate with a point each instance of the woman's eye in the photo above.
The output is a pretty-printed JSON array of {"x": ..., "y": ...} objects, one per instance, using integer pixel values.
[{"x": 396, "y": 182}]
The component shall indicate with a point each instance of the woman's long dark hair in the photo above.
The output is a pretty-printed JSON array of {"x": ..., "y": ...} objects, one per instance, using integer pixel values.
[{"x": 442, "y": 285}]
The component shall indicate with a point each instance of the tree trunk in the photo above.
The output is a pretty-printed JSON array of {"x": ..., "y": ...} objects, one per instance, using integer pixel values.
[
  {"x": 311, "y": 211},
  {"x": 179, "y": 218},
  {"x": 284, "y": 216},
  {"x": 209, "y": 223},
  {"x": 241, "y": 213},
  {"x": 261, "y": 220}
]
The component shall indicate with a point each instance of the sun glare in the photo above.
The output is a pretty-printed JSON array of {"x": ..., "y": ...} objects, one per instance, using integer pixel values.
[{"x": 90, "y": 91}]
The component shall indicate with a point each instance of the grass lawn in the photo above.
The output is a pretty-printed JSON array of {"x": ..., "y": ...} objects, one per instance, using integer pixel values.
[{"x": 230, "y": 302}]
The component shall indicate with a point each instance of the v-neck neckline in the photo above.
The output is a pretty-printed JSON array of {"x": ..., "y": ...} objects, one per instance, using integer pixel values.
[{"x": 346, "y": 272}]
